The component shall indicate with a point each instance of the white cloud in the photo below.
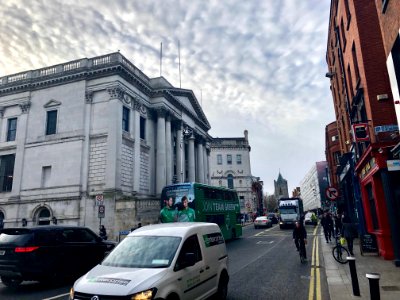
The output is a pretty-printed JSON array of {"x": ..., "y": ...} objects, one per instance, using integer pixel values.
[{"x": 260, "y": 61}]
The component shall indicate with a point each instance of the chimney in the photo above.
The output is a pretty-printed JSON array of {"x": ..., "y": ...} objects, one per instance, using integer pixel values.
[{"x": 246, "y": 135}]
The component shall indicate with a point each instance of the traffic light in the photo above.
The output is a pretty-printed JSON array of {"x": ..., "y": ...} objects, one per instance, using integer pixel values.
[
  {"x": 24, "y": 222},
  {"x": 54, "y": 220},
  {"x": 360, "y": 132}
]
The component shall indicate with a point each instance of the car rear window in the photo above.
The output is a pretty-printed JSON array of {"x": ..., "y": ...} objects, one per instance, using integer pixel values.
[{"x": 17, "y": 236}]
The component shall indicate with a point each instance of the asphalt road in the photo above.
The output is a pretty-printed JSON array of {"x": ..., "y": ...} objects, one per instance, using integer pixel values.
[{"x": 264, "y": 264}]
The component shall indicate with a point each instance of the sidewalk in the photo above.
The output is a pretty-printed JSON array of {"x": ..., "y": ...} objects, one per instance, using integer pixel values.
[{"x": 339, "y": 278}]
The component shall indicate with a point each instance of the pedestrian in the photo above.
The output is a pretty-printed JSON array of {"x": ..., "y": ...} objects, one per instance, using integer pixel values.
[
  {"x": 327, "y": 225},
  {"x": 349, "y": 232},
  {"x": 243, "y": 219},
  {"x": 338, "y": 223},
  {"x": 168, "y": 214},
  {"x": 187, "y": 214},
  {"x": 300, "y": 238},
  {"x": 103, "y": 232}
]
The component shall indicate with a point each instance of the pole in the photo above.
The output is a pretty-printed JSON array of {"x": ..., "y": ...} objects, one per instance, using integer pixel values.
[
  {"x": 354, "y": 277},
  {"x": 160, "y": 59},
  {"x": 373, "y": 279},
  {"x": 179, "y": 58}
]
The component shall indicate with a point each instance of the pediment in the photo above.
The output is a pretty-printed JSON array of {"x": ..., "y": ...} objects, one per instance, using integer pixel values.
[{"x": 52, "y": 103}]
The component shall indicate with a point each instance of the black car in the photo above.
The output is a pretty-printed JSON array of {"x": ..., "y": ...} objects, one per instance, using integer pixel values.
[
  {"x": 45, "y": 253},
  {"x": 273, "y": 218}
]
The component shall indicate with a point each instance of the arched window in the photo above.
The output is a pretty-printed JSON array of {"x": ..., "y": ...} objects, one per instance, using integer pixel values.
[
  {"x": 230, "y": 181},
  {"x": 44, "y": 217}
]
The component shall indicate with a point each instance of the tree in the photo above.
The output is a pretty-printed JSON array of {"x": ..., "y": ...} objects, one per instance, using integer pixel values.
[{"x": 271, "y": 203}]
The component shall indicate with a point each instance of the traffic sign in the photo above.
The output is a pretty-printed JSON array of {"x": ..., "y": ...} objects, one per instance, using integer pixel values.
[
  {"x": 102, "y": 211},
  {"x": 99, "y": 200},
  {"x": 331, "y": 193}
]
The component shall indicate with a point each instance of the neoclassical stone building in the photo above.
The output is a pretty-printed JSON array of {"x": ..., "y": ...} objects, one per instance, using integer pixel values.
[
  {"x": 230, "y": 167},
  {"x": 95, "y": 127}
]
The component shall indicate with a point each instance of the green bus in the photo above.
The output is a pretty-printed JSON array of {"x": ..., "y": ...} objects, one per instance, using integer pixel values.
[{"x": 211, "y": 204}]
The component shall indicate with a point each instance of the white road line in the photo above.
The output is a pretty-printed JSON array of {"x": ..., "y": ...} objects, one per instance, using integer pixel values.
[{"x": 55, "y": 297}]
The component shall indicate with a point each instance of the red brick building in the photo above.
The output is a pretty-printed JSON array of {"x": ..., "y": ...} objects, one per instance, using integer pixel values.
[
  {"x": 365, "y": 114},
  {"x": 332, "y": 152}
]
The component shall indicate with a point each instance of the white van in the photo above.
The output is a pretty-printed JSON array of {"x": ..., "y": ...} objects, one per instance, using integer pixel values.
[{"x": 165, "y": 261}]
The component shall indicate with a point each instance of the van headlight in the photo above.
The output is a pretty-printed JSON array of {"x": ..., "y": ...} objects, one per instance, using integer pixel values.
[
  {"x": 71, "y": 294},
  {"x": 145, "y": 295}
]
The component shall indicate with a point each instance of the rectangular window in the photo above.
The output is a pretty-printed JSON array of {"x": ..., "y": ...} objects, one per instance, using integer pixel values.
[
  {"x": 229, "y": 159},
  {"x": 125, "y": 118},
  {"x": 6, "y": 172},
  {"x": 46, "y": 174},
  {"x": 11, "y": 129},
  {"x": 343, "y": 35},
  {"x": 142, "y": 128},
  {"x": 51, "y": 124},
  {"x": 355, "y": 63},
  {"x": 239, "y": 159},
  {"x": 219, "y": 159},
  {"x": 384, "y": 5},
  {"x": 336, "y": 157},
  {"x": 351, "y": 95}
]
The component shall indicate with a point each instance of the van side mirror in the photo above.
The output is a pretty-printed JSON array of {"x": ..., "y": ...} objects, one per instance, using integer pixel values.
[{"x": 189, "y": 260}]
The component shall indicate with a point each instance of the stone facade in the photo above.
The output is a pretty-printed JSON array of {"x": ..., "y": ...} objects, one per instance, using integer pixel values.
[
  {"x": 95, "y": 128},
  {"x": 235, "y": 173}
]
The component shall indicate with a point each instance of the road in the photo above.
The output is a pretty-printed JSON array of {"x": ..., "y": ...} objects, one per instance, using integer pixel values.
[{"x": 264, "y": 264}]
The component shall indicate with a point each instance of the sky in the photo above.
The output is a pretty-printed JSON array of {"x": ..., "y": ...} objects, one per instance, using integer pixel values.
[{"x": 256, "y": 64}]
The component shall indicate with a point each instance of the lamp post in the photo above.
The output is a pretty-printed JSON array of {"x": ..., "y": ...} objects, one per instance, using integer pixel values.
[{"x": 186, "y": 132}]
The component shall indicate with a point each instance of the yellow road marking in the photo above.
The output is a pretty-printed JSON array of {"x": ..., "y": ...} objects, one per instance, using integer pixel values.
[
  {"x": 315, "y": 275},
  {"x": 311, "y": 290}
]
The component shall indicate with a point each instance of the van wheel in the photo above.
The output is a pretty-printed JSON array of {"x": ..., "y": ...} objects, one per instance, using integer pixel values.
[
  {"x": 222, "y": 292},
  {"x": 11, "y": 281},
  {"x": 173, "y": 297}
]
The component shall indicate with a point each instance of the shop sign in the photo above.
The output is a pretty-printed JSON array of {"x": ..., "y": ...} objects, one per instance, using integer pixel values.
[
  {"x": 386, "y": 128},
  {"x": 367, "y": 168},
  {"x": 393, "y": 165}
]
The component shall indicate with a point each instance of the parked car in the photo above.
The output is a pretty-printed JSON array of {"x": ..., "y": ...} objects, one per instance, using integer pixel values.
[
  {"x": 310, "y": 219},
  {"x": 45, "y": 253},
  {"x": 163, "y": 261},
  {"x": 262, "y": 221},
  {"x": 273, "y": 218}
]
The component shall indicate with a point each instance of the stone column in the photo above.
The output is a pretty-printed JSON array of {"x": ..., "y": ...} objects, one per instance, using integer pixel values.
[
  {"x": 168, "y": 149},
  {"x": 161, "y": 174},
  {"x": 2, "y": 109},
  {"x": 191, "y": 160},
  {"x": 205, "y": 174},
  {"x": 114, "y": 139},
  {"x": 179, "y": 155},
  {"x": 200, "y": 164},
  {"x": 22, "y": 127},
  {"x": 150, "y": 140},
  {"x": 208, "y": 166},
  {"x": 136, "y": 149}
]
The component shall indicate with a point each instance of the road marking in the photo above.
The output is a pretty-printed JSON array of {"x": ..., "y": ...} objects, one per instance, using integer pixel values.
[
  {"x": 315, "y": 282},
  {"x": 55, "y": 297},
  {"x": 264, "y": 242},
  {"x": 266, "y": 230}
]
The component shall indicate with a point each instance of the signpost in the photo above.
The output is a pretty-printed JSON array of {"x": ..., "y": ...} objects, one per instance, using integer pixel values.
[
  {"x": 102, "y": 211},
  {"x": 331, "y": 193},
  {"x": 99, "y": 200}
]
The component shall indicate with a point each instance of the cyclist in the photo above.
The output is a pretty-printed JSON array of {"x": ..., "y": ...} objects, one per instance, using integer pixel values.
[{"x": 300, "y": 238}]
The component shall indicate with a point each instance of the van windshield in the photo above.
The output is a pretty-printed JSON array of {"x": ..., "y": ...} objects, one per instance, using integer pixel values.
[
  {"x": 287, "y": 210},
  {"x": 144, "y": 252}
]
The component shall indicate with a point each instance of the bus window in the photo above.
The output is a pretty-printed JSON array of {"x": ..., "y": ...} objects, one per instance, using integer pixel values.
[{"x": 217, "y": 219}]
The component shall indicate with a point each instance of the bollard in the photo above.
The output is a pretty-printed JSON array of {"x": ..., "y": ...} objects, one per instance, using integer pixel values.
[
  {"x": 373, "y": 279},
  {"x": 354, "y": 277}
]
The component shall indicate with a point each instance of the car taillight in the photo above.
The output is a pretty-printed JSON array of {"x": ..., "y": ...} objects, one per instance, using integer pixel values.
[{"x": 25, "y": 249}]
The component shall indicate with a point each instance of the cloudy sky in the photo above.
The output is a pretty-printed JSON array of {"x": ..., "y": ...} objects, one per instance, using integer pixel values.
[{"x": 253, "y": 64}]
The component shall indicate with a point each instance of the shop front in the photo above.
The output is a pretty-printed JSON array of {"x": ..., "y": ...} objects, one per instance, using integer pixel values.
[{"x": 376, "y": 185}]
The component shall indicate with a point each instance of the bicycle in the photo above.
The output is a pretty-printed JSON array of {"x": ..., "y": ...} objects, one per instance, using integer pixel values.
[
  {"x": 339, "y": 252},
  {"x": 302, "y": 246}
]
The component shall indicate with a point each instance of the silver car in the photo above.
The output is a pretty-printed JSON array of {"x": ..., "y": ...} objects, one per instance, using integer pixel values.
[{"x": 262, "y": 221}]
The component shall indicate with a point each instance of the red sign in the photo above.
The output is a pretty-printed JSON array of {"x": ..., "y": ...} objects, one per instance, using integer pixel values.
[
  {"x": 360, "y": 132},
  {"x": 331, "y": 193}
]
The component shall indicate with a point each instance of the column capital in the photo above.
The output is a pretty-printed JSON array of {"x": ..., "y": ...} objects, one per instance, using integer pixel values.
[
  {"x": 2, "y": 109},
  {"x": 116, "y": 92},
  {"x": 162, "y": 112},
  {"x": 89, "y": 97},
  {"x": 25, "y": 106}
]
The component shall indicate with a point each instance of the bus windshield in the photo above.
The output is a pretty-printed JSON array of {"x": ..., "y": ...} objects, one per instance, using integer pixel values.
[{"x": 288, "y": 210}]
